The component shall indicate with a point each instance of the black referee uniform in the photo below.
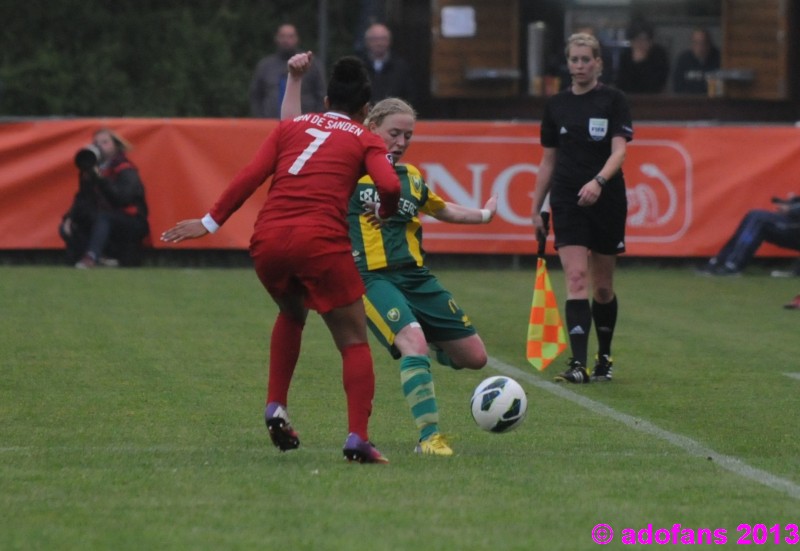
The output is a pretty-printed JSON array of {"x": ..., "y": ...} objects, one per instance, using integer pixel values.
[{"x": 580, "y": 128}]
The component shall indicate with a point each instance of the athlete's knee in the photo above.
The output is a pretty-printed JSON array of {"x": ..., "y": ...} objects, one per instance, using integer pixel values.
[
  {"x": 292, "y": 308},
  {"x": 604, "y": 294},
  {"x": 410, "y": 341},
  {"x": 577, "y": 282},
  {"x": 476, "y": 360},
  {"x": 470, "y": 354}
]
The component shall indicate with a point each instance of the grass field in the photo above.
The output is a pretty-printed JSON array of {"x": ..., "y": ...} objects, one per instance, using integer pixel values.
[{"x": 131, "y": 418}]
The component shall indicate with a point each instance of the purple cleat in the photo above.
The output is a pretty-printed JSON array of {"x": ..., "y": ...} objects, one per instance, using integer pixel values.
[
  {"x": 280, "y": 428},
  {"x": 356, "y": 449}
]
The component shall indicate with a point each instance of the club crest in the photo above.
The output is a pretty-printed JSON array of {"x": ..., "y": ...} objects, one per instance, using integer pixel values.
[
  {"x": 393, "y": 314},
  {"x": 416, "y": 184}
]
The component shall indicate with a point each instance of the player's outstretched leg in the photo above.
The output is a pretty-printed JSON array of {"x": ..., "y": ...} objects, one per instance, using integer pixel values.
[{"x": 417, "y": 384}]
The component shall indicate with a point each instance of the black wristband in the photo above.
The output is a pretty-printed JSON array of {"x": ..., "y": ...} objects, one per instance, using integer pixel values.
[{"x": 600, "y": 180}]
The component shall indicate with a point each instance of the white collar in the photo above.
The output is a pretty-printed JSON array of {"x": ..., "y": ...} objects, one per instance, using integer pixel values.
[{"x": 336, "y": 115}]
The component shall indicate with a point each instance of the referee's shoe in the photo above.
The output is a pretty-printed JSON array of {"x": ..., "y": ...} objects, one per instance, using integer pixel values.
[
  {"x": 575, "y": 373},
  {"x": 603, "y": 366}
]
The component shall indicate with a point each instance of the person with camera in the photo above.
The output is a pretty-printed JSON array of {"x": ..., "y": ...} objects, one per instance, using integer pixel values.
[
  {"x": 780, "y": 227},
  {"x": 107, "y": 220}
]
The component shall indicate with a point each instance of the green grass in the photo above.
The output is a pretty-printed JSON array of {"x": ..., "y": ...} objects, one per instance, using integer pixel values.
[{"x": 131, "y": 418}]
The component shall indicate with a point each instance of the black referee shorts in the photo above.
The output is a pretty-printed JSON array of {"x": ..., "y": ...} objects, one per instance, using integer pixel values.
[{"x": 600, "y": 227}]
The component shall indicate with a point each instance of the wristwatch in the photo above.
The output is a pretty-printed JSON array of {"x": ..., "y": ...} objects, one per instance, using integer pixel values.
[{"x": 600, "y": 180}]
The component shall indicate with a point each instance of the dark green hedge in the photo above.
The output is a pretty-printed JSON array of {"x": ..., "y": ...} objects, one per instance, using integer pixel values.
[{"x": 147, "y": 58}]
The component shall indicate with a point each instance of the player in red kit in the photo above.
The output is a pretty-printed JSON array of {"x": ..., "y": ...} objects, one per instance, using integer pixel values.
[{"x": 300, "y": 245}]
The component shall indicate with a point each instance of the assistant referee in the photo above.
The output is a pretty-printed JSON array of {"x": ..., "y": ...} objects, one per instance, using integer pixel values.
[{"x": 584, "y": 133}]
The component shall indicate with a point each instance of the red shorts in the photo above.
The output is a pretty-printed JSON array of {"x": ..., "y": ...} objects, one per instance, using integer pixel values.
[{"x": 303, "y": 261}]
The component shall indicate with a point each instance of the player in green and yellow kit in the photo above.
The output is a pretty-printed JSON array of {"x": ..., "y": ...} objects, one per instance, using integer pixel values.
[{"x": 407, "y": 308}]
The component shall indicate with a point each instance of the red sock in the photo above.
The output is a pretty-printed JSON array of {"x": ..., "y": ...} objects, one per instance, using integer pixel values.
[
  {"x": 359, "y": 386},
  {"x": 284, "y": 349}
]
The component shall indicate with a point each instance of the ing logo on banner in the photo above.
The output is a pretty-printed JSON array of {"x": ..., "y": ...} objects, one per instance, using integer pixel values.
[
  {"x": 468, "y": 170},
  {"x": 658, "y": 178}
]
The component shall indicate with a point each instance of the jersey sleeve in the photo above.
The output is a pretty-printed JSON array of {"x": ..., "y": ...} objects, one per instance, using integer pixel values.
[
  {"x": 433, "y": 204},
  {"x": 621, "y": 117},
  {"x": 379, "y": 166},
  {"x": 548, "y": 132},
  {"x": 249, "y": 178}
]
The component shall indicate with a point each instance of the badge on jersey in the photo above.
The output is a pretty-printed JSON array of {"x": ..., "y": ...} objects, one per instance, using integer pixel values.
[
  {"x": 416, "y": 185},
  {"x": 598, "y": 129}
]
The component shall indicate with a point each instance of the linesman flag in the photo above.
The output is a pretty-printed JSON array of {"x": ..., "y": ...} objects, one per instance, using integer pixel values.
[{"x": 546, "y": 336}]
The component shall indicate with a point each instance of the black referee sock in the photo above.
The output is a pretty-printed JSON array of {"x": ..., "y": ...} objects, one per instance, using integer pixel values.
[
  {"x": 579, "y": 322},
  {"x": 605, "y": 320}
]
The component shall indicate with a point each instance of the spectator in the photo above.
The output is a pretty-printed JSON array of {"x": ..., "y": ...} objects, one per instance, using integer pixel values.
[
  {"x": 390, "y": 75},
  {"x": 781, "y": 228},
  {"x": 644, "y": 68},
  {"x": 695, "y": 63},
  {"x": 269, "y": 79},
  {"x": 108, "y": 218}
]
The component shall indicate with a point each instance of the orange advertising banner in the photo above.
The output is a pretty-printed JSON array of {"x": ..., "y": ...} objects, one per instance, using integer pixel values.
[{"x": 688, "y": 186}]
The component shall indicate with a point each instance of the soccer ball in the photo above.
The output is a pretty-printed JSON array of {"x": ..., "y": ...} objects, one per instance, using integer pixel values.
[{"x": 499, "y": 404}]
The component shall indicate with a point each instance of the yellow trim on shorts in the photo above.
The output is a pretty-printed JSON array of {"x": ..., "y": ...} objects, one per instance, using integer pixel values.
[{"x": 377, "y": 319}]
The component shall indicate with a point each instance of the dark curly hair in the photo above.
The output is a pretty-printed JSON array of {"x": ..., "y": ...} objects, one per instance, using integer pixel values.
[{"x": 349, "y": 88}]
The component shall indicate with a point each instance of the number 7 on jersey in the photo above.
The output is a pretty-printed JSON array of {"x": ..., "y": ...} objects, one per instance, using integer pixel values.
[{"x": 319, "y": 138}]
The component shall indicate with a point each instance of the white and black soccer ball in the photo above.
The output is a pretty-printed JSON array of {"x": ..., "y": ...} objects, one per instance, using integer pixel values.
[{"x": 499, "y": 404}]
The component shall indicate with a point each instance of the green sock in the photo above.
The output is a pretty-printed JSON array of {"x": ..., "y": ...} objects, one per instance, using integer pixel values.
[{"x": 417, "y": 384}]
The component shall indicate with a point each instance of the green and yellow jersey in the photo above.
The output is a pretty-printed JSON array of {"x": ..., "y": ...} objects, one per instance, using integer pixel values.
[{"x": 399, "y": 241}]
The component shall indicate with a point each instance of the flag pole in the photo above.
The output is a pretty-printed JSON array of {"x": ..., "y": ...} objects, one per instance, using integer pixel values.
[{"x": 546, "y": 335}]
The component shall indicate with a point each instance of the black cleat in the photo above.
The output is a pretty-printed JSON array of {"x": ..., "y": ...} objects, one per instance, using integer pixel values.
[
  {"x": 280, "y": 429},
  {"x": 575, "y": 373},
  {"x": 603, "y": 366}
]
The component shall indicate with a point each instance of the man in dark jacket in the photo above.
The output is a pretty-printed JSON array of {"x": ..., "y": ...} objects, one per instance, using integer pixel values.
[
  {"x": 644, "y": 68},
  {"x": 389, "y": 75},
  {"x": 695, "y": 64},
  {"x": 269, "y": 78}
]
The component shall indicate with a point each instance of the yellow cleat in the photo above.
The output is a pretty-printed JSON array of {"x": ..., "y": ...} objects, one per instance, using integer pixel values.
[{"x": 435, "y": 445}]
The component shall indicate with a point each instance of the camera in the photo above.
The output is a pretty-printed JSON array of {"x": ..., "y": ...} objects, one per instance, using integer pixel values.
[
  {"x": 87, "y": 157},
  {"x": 787, "y": 201}
]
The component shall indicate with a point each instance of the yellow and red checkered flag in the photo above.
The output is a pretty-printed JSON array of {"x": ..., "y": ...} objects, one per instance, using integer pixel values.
[{"x": 546, "y": 336}]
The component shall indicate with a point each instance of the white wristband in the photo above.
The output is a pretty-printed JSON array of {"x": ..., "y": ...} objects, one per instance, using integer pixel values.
[
  {"x": 209, "y": 224},
  {"x": 486, "y": 216}
]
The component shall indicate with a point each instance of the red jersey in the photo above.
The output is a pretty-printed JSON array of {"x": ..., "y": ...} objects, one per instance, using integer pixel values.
[{"x": 315, "y": 160}]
